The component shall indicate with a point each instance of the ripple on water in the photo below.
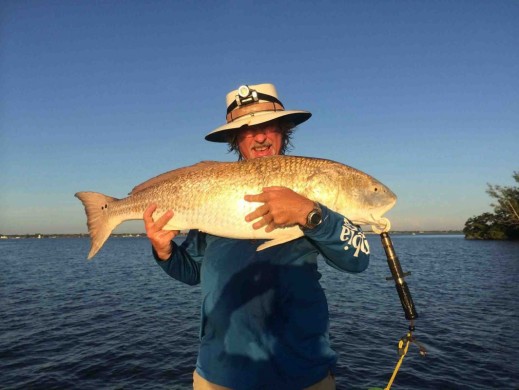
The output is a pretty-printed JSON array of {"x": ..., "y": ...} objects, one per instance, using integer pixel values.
[{"x": 119, "y": 322}]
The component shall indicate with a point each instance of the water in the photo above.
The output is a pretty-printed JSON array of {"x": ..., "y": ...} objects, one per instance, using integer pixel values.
[{"x": 120, "y": 322}]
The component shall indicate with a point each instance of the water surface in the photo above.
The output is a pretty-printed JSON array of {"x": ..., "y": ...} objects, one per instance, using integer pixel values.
[{"x": 120, "y": 322}]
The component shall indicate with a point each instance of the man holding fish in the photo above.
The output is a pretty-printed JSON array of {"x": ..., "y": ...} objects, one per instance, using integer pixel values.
[{"x": 264, "y": 318}]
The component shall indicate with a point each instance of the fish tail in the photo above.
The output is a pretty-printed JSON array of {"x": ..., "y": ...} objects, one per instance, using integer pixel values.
[{"x": 100, "y": 222}]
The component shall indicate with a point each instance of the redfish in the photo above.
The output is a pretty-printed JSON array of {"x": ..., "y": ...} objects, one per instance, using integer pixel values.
[{"x": 209, "y": 196}]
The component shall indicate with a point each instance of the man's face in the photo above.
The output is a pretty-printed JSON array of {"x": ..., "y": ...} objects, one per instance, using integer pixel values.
[{"x": 260, "y": 140}]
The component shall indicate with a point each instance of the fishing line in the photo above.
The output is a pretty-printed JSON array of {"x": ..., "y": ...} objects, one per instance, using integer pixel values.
[{"x": 398, "y": 275}]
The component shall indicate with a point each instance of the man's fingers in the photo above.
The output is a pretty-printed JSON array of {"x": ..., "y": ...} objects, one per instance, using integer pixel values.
[
  {"x": 259, "y": 224},
  {"x": 270, "y": 227},
  {"x": 163, "y": 220},
  {"x": 278, "y": 209},
  {"x": 268, "y": 219},
  {"x": 154, "y": 226},
  {"x": 147, "y": 216},
  {"x": 256, "y": 198},
  {"x": 264, "y": 196},
  {"x": 259, "y": 212},
  {"x": 167, "y": 235},
  {"x": 273, "y": 188}
]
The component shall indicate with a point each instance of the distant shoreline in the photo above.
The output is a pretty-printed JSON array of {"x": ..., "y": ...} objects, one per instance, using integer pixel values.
[{"x": 143, "y": 235}]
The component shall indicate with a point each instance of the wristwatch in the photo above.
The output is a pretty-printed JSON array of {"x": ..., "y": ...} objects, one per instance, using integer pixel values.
[{"x": 314, "y": 217}]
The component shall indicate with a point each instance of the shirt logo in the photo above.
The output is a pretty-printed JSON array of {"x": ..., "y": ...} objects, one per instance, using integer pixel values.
[{"x": 354, "y": 238}]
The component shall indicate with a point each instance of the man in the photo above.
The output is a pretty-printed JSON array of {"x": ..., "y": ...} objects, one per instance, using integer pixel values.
[{"x": 264, "y": 321}]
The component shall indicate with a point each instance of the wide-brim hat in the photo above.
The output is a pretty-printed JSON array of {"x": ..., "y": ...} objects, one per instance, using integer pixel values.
[{"x": 251, "y": 105}]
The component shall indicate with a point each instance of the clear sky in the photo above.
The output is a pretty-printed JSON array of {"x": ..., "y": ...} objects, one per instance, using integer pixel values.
[{"x": 102, "y": 95}]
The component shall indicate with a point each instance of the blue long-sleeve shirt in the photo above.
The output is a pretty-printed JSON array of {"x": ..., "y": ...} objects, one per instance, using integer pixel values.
[{"x": 264, "y": 315}]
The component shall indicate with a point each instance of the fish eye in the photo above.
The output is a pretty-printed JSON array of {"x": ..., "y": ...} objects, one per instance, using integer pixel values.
[{"x": 376, "y": 189}]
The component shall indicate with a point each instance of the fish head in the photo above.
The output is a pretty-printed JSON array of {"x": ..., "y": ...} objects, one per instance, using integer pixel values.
[{"x": 364, "y": 199}]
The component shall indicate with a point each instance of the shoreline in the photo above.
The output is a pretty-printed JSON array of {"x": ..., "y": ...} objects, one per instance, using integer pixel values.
[{"x": 182, "y": 234}]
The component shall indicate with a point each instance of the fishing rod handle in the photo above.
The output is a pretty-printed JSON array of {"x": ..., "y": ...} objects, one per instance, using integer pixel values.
[{"x": 398, "y": 276}]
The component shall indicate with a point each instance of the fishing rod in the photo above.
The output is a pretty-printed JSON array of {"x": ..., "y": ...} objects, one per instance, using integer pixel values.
[{"x": 398, "y": 275}]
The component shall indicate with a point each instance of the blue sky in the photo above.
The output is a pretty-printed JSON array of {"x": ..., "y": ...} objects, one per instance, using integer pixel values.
[{"x": 101, "y": 95}]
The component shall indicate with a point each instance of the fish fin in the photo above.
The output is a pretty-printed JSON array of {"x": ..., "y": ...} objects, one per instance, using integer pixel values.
[
  {"x": 173, "y": 173},
  {"x": 100, "y": 223},
  {"x": 292, "y": 234}
]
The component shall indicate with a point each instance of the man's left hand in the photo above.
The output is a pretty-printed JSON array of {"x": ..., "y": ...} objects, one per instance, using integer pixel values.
[{"x": 281, "y": 207}]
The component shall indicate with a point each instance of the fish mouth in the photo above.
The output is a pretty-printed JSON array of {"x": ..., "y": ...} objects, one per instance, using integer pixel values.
[
  {"x": 390, "y": 205},
  {"x": 380, "y": 224}
]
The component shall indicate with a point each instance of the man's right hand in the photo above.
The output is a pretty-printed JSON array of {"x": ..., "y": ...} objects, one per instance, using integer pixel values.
[{"x": 160, "y": 239}]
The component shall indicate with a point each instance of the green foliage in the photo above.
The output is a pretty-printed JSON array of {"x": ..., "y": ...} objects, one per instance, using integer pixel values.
[{"x": 503, "y": 224}]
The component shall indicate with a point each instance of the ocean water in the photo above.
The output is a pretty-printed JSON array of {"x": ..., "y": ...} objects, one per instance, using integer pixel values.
[{"x": 119, "y": 322}]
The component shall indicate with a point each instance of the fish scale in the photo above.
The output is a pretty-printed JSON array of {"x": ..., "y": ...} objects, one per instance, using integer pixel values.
[{"x": 209, "y": 196}]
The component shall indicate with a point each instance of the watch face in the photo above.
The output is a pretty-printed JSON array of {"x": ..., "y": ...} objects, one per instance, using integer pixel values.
[{"x": 315, "y": 219}]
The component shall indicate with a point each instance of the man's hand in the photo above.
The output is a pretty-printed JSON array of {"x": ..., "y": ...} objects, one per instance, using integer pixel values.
[
  {"x": 281, "y": 207},
  {"x": 160, "y": 239}
]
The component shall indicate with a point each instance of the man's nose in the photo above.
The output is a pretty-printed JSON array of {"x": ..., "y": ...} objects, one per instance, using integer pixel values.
[{"x": 260, "y": 136}]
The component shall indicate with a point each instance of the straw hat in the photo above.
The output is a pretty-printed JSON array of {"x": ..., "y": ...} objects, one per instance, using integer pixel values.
[{"x": 251, "y": 105}]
